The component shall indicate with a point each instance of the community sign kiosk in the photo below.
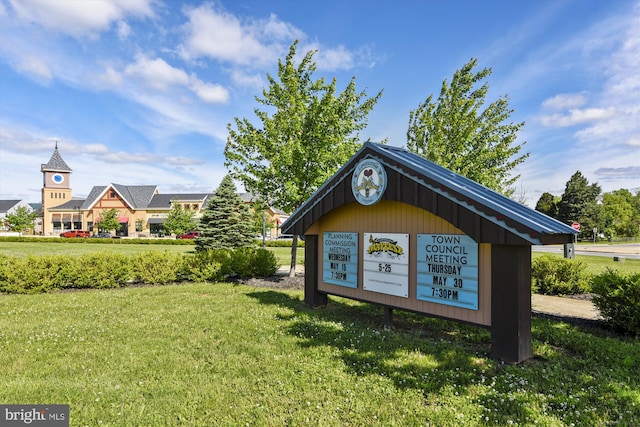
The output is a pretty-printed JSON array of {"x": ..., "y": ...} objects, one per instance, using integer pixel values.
[{"x": 395, "y": 229}]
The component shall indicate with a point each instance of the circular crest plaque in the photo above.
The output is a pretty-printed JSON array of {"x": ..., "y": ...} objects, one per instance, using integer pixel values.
[{"x": 368, "y": 182}]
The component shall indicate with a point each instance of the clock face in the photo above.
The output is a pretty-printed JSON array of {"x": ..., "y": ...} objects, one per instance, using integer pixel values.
[{"x": 57, "y": 178}]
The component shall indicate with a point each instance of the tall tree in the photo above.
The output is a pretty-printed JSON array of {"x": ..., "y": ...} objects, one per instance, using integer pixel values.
[
  {"x": 618, "y": 214},
  {"x": 548, "y": 205},
  {"x": 579, "y": 202},
  {"x": 307, "y": 132},
  {"x": 21, "y": 220},
  {"x": 108, "y": 220},
  {"x": 226, "y": 221},
  {"x": 180, "y": 219},
  {"x": 457, "y": 131}
]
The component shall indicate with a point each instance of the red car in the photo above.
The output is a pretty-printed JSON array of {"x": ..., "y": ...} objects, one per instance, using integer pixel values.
[
  {"x": 75, "y": 233},
  {"x": 189, "y": 235}
]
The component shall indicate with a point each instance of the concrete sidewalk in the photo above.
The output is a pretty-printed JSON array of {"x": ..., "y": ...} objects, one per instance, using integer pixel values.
[{"x": 564, "y": 307}]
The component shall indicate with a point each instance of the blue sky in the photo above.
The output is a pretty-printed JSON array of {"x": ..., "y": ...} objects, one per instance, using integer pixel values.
[{"x": 141, "y": 91}]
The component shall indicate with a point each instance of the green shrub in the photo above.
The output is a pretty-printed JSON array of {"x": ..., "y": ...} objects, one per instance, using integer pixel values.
[
  {"x": 252, "y": 262},
  {"x": 34, "y": 274},
  {"x": 279, "y": 243},
  {"x": 100, "y": 270},
  {"x": 205, "y": 266},
  {"x": 617, "y": 296},
  {"x": 265, "y": 263},
  {"x": 559, "y": 276},
  {"x": 157, "y": 268}
]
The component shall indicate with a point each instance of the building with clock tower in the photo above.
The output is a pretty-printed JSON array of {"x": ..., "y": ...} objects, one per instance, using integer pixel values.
[
  {"x": 141, "y": 209},
  {"x": 56, "y": 186}
]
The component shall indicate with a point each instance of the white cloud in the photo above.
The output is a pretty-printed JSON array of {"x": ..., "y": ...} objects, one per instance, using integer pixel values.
[
  {"x": 124, "y": 30},
  {"x": 109, "y": 79},
  {"x": 634, "y": 141},
  {"x": 35, "y": 66},
  {"x": 339, "y": 58},
  {"x": 577, "y": 116},
  {"x": 156, "y": 73},
  {"x": 566, "y": 100},
  {"x": 242, "y": 78},
  {"x": 221, "y": 36},
  {"x": 78, "y": 18},
  {"x": 209, "y": 92},
  {"x": 275, "y": 29}
]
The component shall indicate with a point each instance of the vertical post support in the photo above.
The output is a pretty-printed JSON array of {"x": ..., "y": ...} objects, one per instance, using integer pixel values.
[
  {"x": 511, "y": 302},
  {"x": 388, "y": 318},
  {"x": 312, "y": 297}
]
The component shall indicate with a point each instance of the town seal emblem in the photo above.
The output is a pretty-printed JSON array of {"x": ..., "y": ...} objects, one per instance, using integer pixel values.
[{"x": 368, "y": 182}]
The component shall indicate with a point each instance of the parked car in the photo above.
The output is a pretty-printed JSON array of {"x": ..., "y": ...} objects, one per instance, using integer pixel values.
[
  {"x": 188, "y": 235},
  {"x": 102, "y": 235},
  {"x": 75, "y": 233}
]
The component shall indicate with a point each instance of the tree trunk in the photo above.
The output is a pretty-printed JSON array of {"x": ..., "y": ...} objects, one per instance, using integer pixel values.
[{"x": 294, "y": 249}]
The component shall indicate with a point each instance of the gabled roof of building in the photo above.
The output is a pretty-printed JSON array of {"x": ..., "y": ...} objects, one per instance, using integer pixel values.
[
  {"x": 163, "y": 201},
  {"x": 483, "y": 214},
  {"x": 56, "y": 163},
  {"x": 5, "y": 205},
  {"x": 135, "y": 196}
]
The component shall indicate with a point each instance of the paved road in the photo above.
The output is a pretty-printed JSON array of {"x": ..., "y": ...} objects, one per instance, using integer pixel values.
[{"x": 630, "y": 251}]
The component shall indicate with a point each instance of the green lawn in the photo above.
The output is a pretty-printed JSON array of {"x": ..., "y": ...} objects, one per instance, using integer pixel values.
[
  {"x": 223, "y": 354},
  {"x": 598, "y": 264},
  {"x": 85, "y": 247},
  {"x": 283, "y": 254},
  {"x": 593, "y": 264}
]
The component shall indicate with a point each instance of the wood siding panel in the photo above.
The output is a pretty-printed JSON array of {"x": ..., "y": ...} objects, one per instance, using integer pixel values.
[{"x": 393, "y": 217}]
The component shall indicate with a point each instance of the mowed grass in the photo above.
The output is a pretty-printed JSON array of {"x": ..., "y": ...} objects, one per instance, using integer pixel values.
[
  {"x": 594, "y": 264},
  {"x": 22, "y": 249},
  {"x": 224, "y": 354}
]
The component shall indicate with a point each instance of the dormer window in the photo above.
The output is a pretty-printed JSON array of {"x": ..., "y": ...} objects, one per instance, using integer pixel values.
[{"x": 112, "y": 194}]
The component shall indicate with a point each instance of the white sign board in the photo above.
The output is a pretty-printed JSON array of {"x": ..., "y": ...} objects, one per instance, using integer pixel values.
[{"x": 386, "y": 263}]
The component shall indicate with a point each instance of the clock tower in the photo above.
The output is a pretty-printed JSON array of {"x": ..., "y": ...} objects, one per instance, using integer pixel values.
[{"x": 56, "y": 187}]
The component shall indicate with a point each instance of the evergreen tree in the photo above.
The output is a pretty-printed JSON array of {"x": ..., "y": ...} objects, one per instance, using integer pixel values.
[
  {"x": 579, "y": 203},
  {"x": 548, "y": 205},
  {"x": 226, "y": 221}
]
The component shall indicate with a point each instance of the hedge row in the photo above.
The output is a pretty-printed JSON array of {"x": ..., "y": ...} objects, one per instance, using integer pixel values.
[
  {"x": 36, "y": 274},
  {"x": 134, "y": 241}
]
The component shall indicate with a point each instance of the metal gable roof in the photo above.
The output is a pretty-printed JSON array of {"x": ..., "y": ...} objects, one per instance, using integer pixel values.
[{"x": 526, "y": 223}]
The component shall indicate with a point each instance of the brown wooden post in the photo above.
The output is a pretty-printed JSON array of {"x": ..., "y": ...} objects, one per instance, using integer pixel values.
[
  {"x": 511, "y": 302},
  {"x": 388, "y": 318},
  {"x": 312, "y": 297}
]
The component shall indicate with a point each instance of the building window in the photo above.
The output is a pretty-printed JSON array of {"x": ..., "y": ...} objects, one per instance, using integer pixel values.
[{"x": 112, "y": 195}]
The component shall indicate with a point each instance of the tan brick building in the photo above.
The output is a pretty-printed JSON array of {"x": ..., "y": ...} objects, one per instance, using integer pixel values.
[{"x": 141, "y": 208}]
